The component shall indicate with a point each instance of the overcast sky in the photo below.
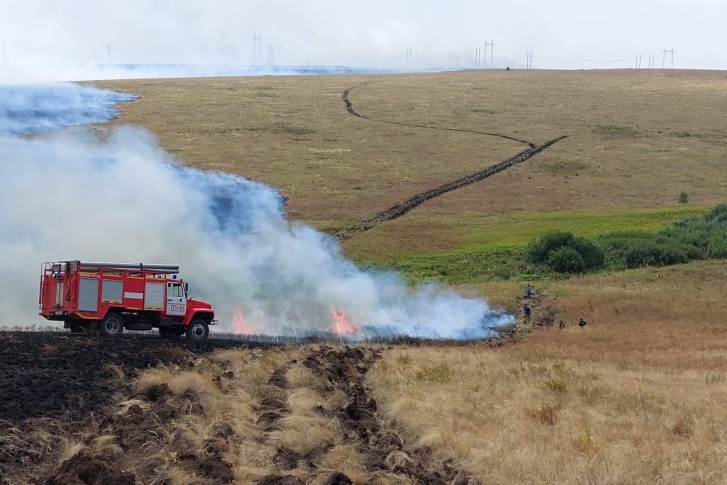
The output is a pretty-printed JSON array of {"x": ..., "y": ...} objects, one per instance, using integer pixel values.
[{"x": 372, "y": 33}]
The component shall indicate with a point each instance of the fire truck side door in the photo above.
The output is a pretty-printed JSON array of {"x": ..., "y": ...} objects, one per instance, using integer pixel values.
[{"x": 176, "y": 299}]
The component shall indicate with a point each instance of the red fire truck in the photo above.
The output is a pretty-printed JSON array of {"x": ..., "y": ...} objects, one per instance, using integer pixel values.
[{"x": 111, "y": 297}]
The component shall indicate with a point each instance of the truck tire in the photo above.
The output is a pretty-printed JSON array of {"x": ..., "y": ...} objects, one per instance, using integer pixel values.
[
  {"x": 112, "y": 326},
  {"x": 197, "y": 330}
]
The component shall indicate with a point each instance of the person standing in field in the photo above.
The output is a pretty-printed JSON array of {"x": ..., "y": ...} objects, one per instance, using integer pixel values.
[
  {"x": 528, "y": 291},
  {"x": 561, "y": 325},
  {"x": 582, "y": 323},
  {"x": 527, "y": 312}
]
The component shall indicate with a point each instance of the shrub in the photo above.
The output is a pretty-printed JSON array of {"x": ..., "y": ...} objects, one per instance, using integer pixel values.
[
  {"x": 566, "y": 260},
  {"x": 717, "y": 215},
  {"x": 650, "y": 253},
  {"x": 539, "y": 250},
  {"x": 565, "y": 253},
  {"x": 707, "y": 234},
  {"x": 683, "y": 197}
]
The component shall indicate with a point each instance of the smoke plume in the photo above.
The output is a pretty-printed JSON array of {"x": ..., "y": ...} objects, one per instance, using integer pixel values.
[{"x": 115, "y": 195}]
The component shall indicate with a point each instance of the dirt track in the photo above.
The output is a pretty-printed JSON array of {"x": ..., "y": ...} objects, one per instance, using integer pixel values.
[
  {"x": 381, "y": 446},
  {"x": 400, "y": 209}
]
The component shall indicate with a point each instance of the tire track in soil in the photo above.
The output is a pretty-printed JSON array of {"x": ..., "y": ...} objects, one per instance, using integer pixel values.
[
  {"x": 350, "y": 109},
  {"x": 382, "y": 448},
  {"x": 401, "y": 209}
]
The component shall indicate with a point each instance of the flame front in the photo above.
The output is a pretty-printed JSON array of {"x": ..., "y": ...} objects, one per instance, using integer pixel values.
[
  {"x": 239, "y": 325},
  {"x": 342, "y": 325}
]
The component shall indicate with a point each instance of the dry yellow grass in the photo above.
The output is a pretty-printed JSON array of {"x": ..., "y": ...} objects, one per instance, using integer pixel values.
[
  {"x": 638, "y": 138},
  {"x": 635, "y": 397}
]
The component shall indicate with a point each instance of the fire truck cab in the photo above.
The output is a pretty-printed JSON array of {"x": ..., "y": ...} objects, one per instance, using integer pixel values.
[{"x": 111, "y": 297}]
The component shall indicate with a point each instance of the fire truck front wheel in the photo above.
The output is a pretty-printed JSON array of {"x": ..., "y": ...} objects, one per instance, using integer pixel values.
[
  {"x": 198, "y": 330},
  {"x": 112, "y": 326}
]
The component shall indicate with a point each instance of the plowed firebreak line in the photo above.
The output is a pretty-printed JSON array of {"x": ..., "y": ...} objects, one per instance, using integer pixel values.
[
  {"x": 409, "y": 204},
  {"x": 351, "y": 110}
]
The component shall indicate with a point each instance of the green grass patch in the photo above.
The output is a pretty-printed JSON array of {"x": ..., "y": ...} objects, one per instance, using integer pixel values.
[
  {"x": 518, "y": 229},
  {"x": 281, "y": 128},
  {"x": 616, "y": 130},
  {"x": 563, "y": 167},
  {"x": 294, "y": 130},
  {"x": 467, "y": 267},
  {"x": 498, "y": 253}
]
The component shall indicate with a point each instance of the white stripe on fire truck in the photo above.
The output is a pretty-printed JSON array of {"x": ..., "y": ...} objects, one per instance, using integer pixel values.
[{"x": 134, "y": 296}]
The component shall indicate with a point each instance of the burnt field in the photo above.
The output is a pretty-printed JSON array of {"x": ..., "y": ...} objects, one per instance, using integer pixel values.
[
  {"x": 140, "y": 410},
  {"x": 56, "y": 381},
  {"x": 53, "y": 374}
]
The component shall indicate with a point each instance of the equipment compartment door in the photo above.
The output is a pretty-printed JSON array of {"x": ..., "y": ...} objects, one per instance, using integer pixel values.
[
  {"x": 88, "y": 295},
  {"x": 176, "y": 299},
  {"x": 154, "y": 296}
]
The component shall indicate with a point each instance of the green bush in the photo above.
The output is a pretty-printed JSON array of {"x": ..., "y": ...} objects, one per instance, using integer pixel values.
[
  {"x": 717, "y": 215},
  {"x": 707, "y": 234},
  {"x": 566, "y": 260},
  {"x": 651, "y": 253},
  {"x": 637, "y": 249},
  {"x": 581, "y": 256}
]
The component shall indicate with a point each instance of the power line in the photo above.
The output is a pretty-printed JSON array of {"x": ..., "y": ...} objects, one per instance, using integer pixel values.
[
  {"x": 492, "y": 53},
  {"x": 257, "y": 40},
  {"x": 663, "y": 62}
]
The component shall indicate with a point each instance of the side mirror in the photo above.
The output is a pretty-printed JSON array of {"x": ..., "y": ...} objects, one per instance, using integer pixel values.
[{"x": 186, "y": 288}]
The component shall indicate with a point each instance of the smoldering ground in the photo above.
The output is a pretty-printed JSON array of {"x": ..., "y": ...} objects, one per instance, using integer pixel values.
[{"x": 115, "y": 195}]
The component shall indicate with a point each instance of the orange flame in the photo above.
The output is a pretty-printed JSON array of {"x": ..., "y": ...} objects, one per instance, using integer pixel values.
[
  {"x": 239, "y": 325},
  {"x": 342, "y": 325}
]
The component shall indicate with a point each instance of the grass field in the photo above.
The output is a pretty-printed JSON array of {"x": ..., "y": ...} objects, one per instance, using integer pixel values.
[
  {"x": 635, "y": 397},
  {"x": 637, "y": 139}
]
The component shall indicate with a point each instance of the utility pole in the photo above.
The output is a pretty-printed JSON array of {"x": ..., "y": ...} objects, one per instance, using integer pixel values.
[
  {"x": 257, "y": 47},
  {"x": 492, "y": 53},
  {"x": 408, "y": 57},
  {"x": 271, "y": 55},
  {"x": 665, "y": 52},
  {"x": 529, "y": 60}
]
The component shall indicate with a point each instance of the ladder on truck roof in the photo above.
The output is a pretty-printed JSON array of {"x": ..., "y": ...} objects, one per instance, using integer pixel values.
[
  {"x": 152, "y": 268},
  {"x": 59, "y": 267}
]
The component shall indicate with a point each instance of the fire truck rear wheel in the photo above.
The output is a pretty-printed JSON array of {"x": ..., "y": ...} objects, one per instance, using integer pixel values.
[
  {"x": 197, "y": 330},
  {"x": 112, "y": 326}
]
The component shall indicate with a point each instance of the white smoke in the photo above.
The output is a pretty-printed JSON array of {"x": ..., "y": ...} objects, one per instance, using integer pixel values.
[{"x": 118, "y": 196}]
